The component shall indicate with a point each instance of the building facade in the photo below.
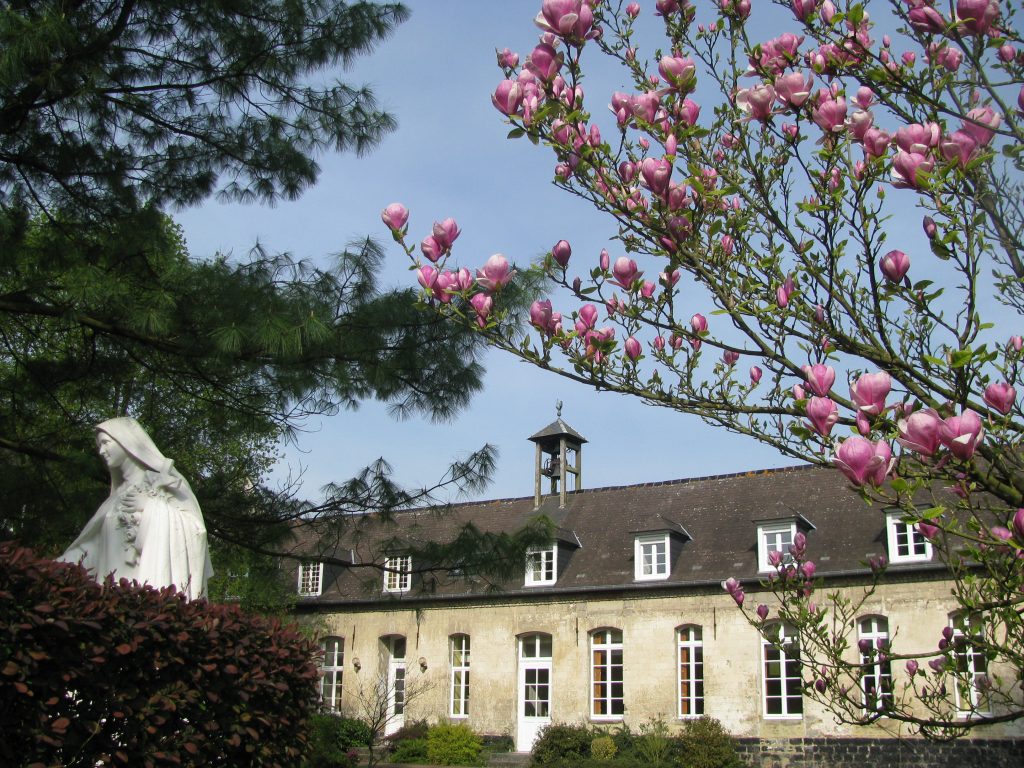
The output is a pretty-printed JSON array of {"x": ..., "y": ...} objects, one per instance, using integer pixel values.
[{"x": 622, "y": 618}]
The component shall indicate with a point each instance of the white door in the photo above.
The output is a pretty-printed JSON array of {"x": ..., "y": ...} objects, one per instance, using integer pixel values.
[
  {"x": 395, "y": 647},
  {"x": 534, "y": 694}
]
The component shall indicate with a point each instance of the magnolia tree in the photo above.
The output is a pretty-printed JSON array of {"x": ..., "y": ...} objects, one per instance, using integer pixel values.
[{"x": 819, "y": 236}]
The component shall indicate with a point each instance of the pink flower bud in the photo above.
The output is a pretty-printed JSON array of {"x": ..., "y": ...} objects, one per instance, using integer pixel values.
[
  {"x": 699, "y": 323},
  {"x": 508, "y": 97},
  {"x": 894, "y": 265},
  {"x": 1007, "y": 53},
  {"x": 762, "y": 612},
  {"x": 962, "y": 434},
  {"x": 823, "y": 413},
  {"x": 1018, "y": 525},
  {"x": 395, "y": 216},
  {"x": 588, "y": 316},
  {"x": 926, "y": 529},
  {"x": 540, "y": 314},
  {"x": 604, "y": 260},
  {"x": 820, "y": 378},
  {"x": 1017, "y": 342},
  {"x": 431, "y": 248},
  {"x": 755, "y": 374},
  {"x": 1000, "y": 396},
  {"x": 912, "y": 667},
  {"x": 507, "y": 59},
  {"x": 729, "y": 357},
  {"x": 445, "y": 233},
  {"x": 919, "y": 432},
  {"x": 869, "y": 392},
  {"x": 625, "y": 272},
  {"x": 632, "y": 348},
  {"x": 633, "y": 10},
  {"x": 561, "y": 253},
  {"x": 799, "y": 393},
  {"x": 930, "y": 230},
  {"x": 862, "y": 461},
  {"x": 495, "y": 274},
  {"x": 426, "y": 276},
  {"x": 659, "y": 343},
  {"x": 482, "y": 303}
]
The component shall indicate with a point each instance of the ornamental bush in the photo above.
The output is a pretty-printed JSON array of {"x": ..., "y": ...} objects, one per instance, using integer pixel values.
[
  {"x": 603, "y": 748},
  {"x": 453, "y": 744},
  {"x": 561, "y": 741},
  {"x": 704, "y": 743},
  {"x": 333, "y": 740},
  {"x": 126, "y": 675}
]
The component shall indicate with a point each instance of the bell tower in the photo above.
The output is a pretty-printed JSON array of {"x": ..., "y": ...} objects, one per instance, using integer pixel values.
[{"x": 559, "y": 459}]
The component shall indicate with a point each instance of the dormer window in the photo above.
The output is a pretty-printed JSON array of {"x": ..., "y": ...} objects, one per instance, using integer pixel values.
[
  {"x": 541, "y": 566},
  {"x": 651, "y": 556},
  {"x": 398, "y": 574},
  {"x": 311, "y": 577},
  {"x": 774, "y": 537},
  {"x": 906, "y": 543}
]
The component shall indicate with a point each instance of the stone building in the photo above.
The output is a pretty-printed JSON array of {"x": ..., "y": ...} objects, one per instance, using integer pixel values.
[{"x": 623, "y": 617}]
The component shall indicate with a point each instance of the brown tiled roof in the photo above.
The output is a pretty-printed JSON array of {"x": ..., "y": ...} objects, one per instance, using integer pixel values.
[{"x": 713, "y": 522}]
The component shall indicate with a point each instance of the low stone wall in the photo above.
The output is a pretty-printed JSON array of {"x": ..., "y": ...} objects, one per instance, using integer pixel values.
[{"x": 881, "y": 753}]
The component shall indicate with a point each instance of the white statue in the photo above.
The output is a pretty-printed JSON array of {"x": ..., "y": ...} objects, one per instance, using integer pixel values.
[{"x": 150, "y": 528}]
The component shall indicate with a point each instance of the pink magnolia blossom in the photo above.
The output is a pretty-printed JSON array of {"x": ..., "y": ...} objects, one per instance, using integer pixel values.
[
  {"x": 865, "y": 97},
  {"x": 981, "y": 124},
  {"x": 427, "y": 277},
  {"x": 794, "y": 88},
  {"x": 561, "y": 253},
  {"x": 799, "y": 393},
  {"x": 823, "y": 414},
  {"x": 729, "y": 357},
  {"x": 869, "y": 392},
  {"x": 678, "y": 72},
  {"x": 395, "y": 216},
  {"x": 977, "y": 16},
  {"x": 755, "y": 374},
  {"x": 1018, "y": 525},
  {"x": 924, "y": 18},
  {"x": 858, "y": 124},
  {"x": 688, "y": 112},
  {"x": 540, "y": 314},
  {"x": 495, "y": 274},
  {"x": 1017, "y": 342},
  {"x": 863, "y": 461},
  {"x": 926, "y": 529},
  {"x": 507, "y": 59},
  {"x": 431, "y": 248},
  {"x": 1007, "y": 53},
  {"x": 645, "y": 106},
  {"x": 604, "y": 260},
  {"x": 633, "y": 10},
  {"x": 445, "y": 233},
  {"x": 569, "y": 19},
  {"x": 830, "y": 115},
  {"x": 912, "y": 667},
  {"x": 588, "y": 317},
  {"x": 958, "y": 147},
  {"x": 908, "y": 169},
  {"x": 647, "y": 289},
  {"x": 762, "y": 611},
  {"x": 1000, "y": 396},
  {"x": 802, "y": 9},
  {"x": 919, "y": 432},
  {"x": 508, "y": 97},
  {"x": 699, "y": 323},
  {"x": 820, "y": 378},
  {"x": 625, "y": 272},
  {"x": 917, "y": 138},
  {"x": 962, "y": 434},
  {"x": 876, "y": 142},
  {"x": 756, "y": 101},
  {"x": 670, "y": 278},
  {"x": 656, "y": 174},
  {"x": 930, "y": 230},
  {"x": 946, "y": 56},
  {"x": 632, "y": 348},
  {"x": 894, "y": 265},
  {"x": 544, "y": 62},
  {"x": 483, "y": 304}
]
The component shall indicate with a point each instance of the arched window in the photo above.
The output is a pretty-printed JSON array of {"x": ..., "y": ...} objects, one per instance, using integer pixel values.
[
  {"x": 690, "y": 655},
  {"x": 458, "y": 657},
  {"x": 876, "y": 671},
  {"x": 606, "y": 683},
  {"x": 331, "y": 670},
  {"x": 782, "y": 677}
]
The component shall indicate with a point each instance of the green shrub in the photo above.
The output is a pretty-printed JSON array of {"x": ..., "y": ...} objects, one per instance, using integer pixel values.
[
  {"x": 151, "y": 672},
  {"x": 624, "y": 741},
  {"x": 498, "y": 743},
  {"x": 414, "y": 729},
  {"x": 704, "y": 743},
  {"x": 654, "y": 745},
  {"x": 453, "y": 744},
  {"x": 409, "y": 751},
  {"x": 603, "y": 748},
  {"x": 333, "y": 740},
  {"x": 560, "y": 741}
]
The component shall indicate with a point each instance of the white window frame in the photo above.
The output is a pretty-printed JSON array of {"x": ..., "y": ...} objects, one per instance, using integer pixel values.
[
  {"x": 541, "y": 566},
  {"x": 690, "y": 666},
  {"x": 458, "y": 659},
  {"x": 398, "y": 573},
  {"x": 652, "y": 556},
  {"x": 919, "y": 548},
  {"x": 606, "y": 664},
  {"x": 971, "y": 662},
  {"x": 332, "y": 673},
  {"x": 774, "y": 531},
  {"x": 311, "y": 579},
  {"x": 875, "y": 673},
  {"x": 772, "y": 654}
]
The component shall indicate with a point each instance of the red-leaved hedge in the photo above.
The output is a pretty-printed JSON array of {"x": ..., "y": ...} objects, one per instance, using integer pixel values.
[{"x": 123, "y": 675}]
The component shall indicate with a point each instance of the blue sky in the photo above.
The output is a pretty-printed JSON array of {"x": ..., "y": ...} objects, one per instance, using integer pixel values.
[{"x": 450, "y": 157}]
